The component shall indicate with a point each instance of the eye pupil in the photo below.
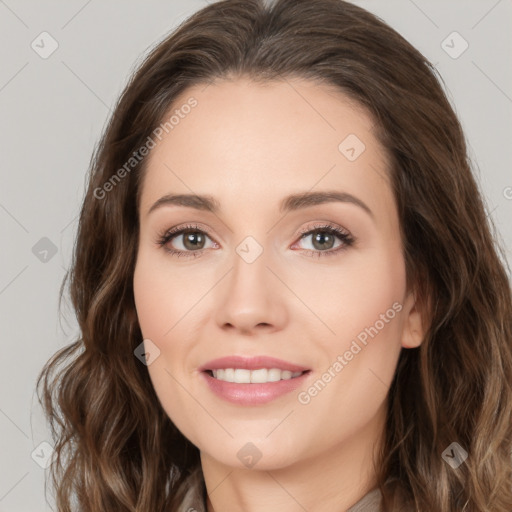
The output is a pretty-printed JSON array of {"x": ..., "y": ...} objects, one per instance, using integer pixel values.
[
  {"x": 195, "y": 239},
  {"x": 322, "y": 237}
]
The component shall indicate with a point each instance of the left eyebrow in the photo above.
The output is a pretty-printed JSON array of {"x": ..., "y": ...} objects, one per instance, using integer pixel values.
[
  {"x": 290, "y": 203},
  {"x": 308, "y": 199}
]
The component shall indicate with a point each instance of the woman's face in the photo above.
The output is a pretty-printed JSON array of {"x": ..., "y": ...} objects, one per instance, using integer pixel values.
[{"x": 248, "y": 281}]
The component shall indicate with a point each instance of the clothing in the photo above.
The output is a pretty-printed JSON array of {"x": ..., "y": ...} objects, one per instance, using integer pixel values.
[
  {"x": 368, "y": 503},
  {"x": 194, "y": 496}
]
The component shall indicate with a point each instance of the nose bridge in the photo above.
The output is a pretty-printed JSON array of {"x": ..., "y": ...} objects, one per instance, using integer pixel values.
[
  {"x": 252, "y": 296},
  {"x": 249, "y": 280},
  {"x": 250, "y": 265}
]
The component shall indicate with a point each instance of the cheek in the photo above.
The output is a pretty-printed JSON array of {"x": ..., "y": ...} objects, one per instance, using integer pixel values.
[
  {"x": 376, "y": 290},
  {"x": 162, "y": 294},
  {"x": 160, "y": 304},
  {"x": 363, "y": 307},
  {"x": 353, "y": 296},
  {"x": 168, "y": 310},
  {"x": 376, "y": 305},
  {"x": 148, "y": 301}
]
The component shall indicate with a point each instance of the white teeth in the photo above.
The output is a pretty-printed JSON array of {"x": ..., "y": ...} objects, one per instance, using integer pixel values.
[{"x": 260, "y": 376}]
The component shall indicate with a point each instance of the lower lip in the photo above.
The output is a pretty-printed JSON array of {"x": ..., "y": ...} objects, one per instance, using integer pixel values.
[{"x": 253, "y": 394}]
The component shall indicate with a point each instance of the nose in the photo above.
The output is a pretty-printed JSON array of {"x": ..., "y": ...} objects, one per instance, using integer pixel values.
[{"x": 251, "y": 298}]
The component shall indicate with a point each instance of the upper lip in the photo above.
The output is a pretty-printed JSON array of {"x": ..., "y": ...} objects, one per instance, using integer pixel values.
[{"x": 251, "y": 363}]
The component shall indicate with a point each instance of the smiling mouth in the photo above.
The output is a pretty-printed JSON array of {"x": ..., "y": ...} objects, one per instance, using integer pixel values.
[{"x": 259, "y": 376}]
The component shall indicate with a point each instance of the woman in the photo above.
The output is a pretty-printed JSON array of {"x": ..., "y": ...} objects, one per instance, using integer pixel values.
[{"x": 287, "y": 287}]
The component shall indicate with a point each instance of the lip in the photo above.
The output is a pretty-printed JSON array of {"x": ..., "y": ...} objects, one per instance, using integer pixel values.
[
  {"x": 252, "y": 394},
  {"x": 251, "y": 363}
]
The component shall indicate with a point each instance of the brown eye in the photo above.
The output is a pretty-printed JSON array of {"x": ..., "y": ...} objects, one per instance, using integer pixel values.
[
  {"x": 184, "y": 241},
  {"x": 323, "y": 240},
  {"x": 193, "y": 240}
]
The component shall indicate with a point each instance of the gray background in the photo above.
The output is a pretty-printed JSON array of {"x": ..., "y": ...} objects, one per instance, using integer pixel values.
[{"x": 53, "y": 111}]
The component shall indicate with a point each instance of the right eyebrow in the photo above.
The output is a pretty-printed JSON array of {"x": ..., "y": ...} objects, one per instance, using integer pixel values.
[{"x": 207, "y": 203}]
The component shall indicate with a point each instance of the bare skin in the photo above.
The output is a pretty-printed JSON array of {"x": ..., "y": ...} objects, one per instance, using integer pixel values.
[{"x": 249, "y": 146}]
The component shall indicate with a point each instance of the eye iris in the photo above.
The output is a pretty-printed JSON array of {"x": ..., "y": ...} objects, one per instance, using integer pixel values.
[
  {"x": 194, "y": 238},
  {"x": 321, "y": 237}
]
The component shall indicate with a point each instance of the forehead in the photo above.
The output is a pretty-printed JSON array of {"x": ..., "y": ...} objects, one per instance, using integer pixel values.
[{"x": 247, "y": 143}]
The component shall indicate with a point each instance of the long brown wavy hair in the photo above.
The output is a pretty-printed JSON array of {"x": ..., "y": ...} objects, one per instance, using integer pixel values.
[{"x": 116, "y": 449}]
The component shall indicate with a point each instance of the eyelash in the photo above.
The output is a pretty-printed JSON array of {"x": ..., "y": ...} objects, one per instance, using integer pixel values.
[{"x": 166, "y": 236}]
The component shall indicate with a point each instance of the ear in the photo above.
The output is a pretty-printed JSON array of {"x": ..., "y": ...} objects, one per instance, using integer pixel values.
[{"x": 413, "y": 324}]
